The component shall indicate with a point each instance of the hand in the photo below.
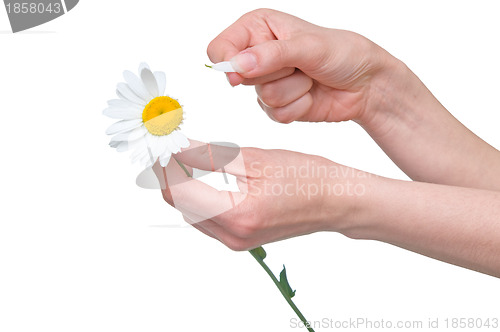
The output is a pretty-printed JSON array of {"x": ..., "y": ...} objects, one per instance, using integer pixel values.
[
  {"x": 302, "y": 71},
  {"x": 308, "y": 73},
  {"x": 282, "y": 194}
]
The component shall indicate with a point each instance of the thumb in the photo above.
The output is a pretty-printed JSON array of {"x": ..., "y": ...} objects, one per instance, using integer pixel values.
[{"x": 271, "y": 56}]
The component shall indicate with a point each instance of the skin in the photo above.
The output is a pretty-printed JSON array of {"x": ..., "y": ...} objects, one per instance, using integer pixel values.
[{"x": 449, "y": 211}]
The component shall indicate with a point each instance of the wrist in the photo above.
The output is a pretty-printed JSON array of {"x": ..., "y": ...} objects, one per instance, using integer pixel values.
[
  {"x": 348, "y": 205},
  {"x": 396, "y": 99},
  {"x": 362, "y": 218}
]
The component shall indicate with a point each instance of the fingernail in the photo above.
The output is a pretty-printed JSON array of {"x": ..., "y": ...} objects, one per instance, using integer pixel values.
[{"x": 244, "y": 62}]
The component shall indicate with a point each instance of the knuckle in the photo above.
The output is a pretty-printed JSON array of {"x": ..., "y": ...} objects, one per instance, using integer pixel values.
[
  {"x": 278, "y": 51},
  {"x": 211, "y": 50},
  {"x": 259, "y": 12},
  {"x": 247, "y": 227},
  {"x": 270, "y": 94},
  {"x": 281, "y": 115}
]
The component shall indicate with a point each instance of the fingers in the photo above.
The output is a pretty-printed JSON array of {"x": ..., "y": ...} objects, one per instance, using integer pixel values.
[
  {"x": 190, "y": 195},
  {"x": 263, "y": 42},
  {"x": 271, "y": 56},
  {"x": 215, "y": 231},
  {"x": 213, "y": 157},
  {"x": 235, "y": 78},
  {"x": 291, "y": 112},
  {"x": 199, "y": 227},
  {"x": 204, "y": 231},
  {"x": 197, "y": 200},
  {"x": 249, "y": 30},
  {"x": 284, "y": 91},
  {"x": 282, "y": 73}
]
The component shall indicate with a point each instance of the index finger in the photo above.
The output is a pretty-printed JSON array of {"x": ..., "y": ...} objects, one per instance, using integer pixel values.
[{"x": 215, "y": 157}]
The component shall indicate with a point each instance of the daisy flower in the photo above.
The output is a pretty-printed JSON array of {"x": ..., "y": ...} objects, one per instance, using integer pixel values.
[{"x": 149, "y": 120}]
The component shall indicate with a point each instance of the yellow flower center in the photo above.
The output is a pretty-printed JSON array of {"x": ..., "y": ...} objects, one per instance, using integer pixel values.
[{"x": 162, "y": 116}]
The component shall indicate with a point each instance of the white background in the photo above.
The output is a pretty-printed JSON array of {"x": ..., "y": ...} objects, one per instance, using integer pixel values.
[{"x": 82, "y": 248}]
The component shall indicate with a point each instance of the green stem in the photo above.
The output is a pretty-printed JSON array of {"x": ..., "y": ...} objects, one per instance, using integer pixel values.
[
  {"x": 276, "y": 282},
  {"x": 260, "y": 260},
  {"x": 183, "y": 168}
]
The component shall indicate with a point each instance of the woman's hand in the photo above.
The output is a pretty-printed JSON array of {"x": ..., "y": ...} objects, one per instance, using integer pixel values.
[
  {"x": 302, "y": 71},
  {"x": 308, "y": 73},
  {"x": 282, "y": 194}
]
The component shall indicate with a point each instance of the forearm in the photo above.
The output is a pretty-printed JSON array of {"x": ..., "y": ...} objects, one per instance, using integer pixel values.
[
  {"x": 423, "y": 138},
  {"x": 453, "y": 224}
]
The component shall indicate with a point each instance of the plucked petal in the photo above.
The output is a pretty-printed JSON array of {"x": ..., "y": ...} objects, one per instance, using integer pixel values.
[{"x": 224, "y": 66}]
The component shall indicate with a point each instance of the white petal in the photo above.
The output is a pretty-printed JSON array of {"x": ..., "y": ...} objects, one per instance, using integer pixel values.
[
  {"x": 114, "y": 144},
  {"x": 172, "y": 147},
  {"x": 154, "y": 144},
  {"x": 164, "y": 145},
  {"x": 122, "y": 113},
  {"x": 126, "y": 146},
  {"x": 161, "y": 81},
  {"x": 138, "y": 154},
  {"x": 152, "y": 150},
  {"x": 180, "y": 140},
  {"x": 148, "y": 159},
  {"x": 136, "y": 85},
  {"x": 143, "y": 65},
  {"x": 224, "y": 66},
  {"x": 122, "y": 103},
  {"x": 130, "y": 136},
  {"x": 123, "y": 91},
  {"x": 164, "y": 159},
  {"x": 149, "y": 81},
  {"x": 123, "y": 126},
  {"x": 122, "y": 146},
  {"x": 147, "y": 162}
]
